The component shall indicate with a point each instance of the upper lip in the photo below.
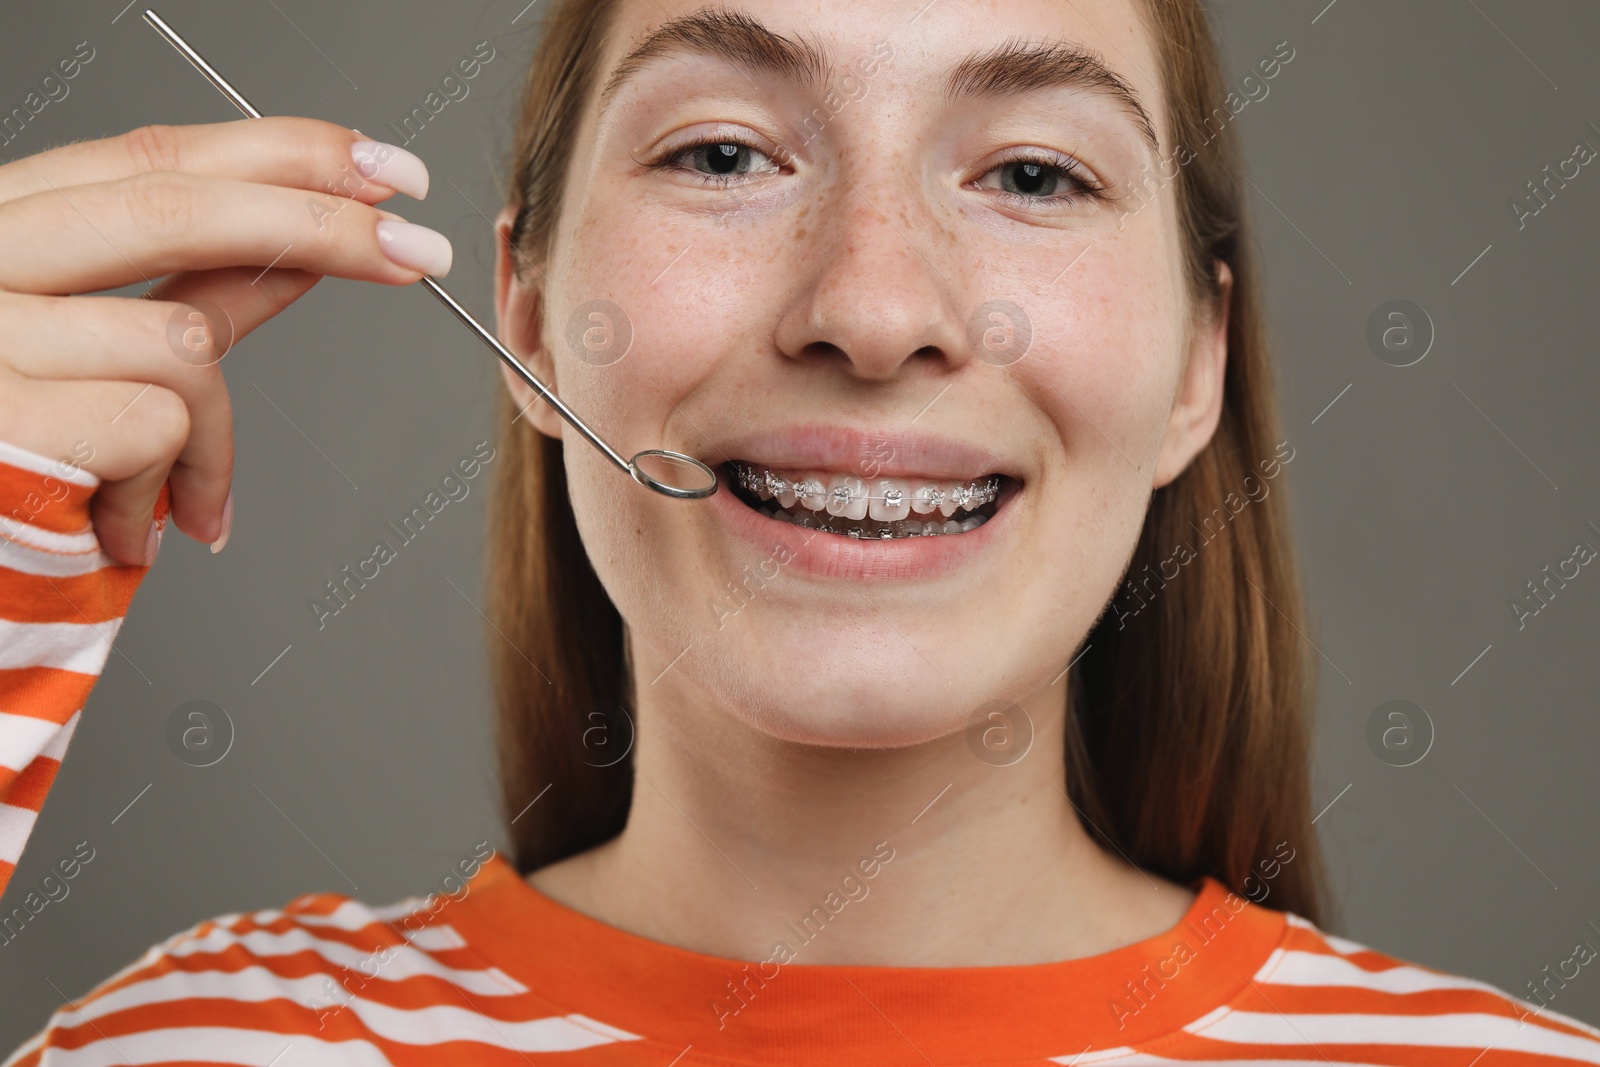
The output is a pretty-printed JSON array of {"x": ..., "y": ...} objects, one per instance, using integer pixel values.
[{"x": 867, "y": 453}]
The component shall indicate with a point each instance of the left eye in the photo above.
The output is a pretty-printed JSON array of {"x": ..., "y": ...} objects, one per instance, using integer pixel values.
[
  {"x": 1040, "y": 180},
  {"x": 1026, "y": 178},
  {"x": 724, "y": 158}
]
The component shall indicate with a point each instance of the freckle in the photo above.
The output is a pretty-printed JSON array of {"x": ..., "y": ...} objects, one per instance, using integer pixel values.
[{"x": 800, "y": 233}]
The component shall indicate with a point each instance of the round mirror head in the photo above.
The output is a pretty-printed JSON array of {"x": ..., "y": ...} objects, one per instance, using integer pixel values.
[{"x": 673, "y": 474}]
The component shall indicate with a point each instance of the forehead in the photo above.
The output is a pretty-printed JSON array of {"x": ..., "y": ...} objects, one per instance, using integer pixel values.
[{"x": 930, "y": 38}]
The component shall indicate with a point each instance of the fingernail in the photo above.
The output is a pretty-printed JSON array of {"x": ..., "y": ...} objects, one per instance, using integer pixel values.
[
  {"x": 227, "y": 526},
  {"x": 152, "y": 544},
  {"x": 391, "y": 165},
  {"x": 415, "y": 247}
]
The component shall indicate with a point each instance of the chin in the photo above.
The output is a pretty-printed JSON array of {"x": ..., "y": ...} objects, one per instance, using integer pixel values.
[
  {"x": 856, "y": 718},
  {"x": 857, "y": 685}
]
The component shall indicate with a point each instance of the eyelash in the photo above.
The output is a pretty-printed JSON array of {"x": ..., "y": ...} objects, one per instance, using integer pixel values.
[
  {"x": 677, "y": 160},
  {"x": 1083, "y": 185}
]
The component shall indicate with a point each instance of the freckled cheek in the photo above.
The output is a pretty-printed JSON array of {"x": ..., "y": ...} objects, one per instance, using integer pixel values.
[
  {"x": 690, "y": 295},
  {"x": 1110, "y": 341}
]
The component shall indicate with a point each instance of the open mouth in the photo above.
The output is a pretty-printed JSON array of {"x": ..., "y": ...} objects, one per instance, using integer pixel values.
[{"x": 869, "y": 508}]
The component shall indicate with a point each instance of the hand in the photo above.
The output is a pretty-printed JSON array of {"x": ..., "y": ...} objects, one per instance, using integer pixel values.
[{"x": 208, "y": 209}]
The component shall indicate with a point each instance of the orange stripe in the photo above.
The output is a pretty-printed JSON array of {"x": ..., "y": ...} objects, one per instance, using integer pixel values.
[
  {"x": 81, "y": 598},
  {"x": 289, "y": 1019},
  {"x": 29, "y": 787},
  {"x": 1543, "y": 1019},
  {"x": 273, "y": 1016},
  {"x": 323, "y": 903},
  {"x": 1205, "y": 1050},
  {"x": 1336, "y": 1000},
  {"x": 48, "y": 693},
  {"x": 1303, "y": 940},
  {"x": 408, "y": 994},
  {"x": 44, "y": 502},
  {"x": 32, "y": 1058},
  {"x": 373, "y": 937}
]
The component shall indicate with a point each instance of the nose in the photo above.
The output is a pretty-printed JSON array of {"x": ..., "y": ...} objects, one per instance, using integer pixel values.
[{"x": 869, "y": 295}]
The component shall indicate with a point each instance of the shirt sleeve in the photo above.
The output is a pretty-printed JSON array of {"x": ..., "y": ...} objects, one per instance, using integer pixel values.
[{"x": 62, "y": 600}]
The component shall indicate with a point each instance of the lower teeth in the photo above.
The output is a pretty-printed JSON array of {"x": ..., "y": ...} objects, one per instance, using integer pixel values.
[{"x": 869, "y": 530}]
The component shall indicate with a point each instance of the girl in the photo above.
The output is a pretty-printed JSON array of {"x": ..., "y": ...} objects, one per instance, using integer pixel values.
[{"x": 966, "y": 723}]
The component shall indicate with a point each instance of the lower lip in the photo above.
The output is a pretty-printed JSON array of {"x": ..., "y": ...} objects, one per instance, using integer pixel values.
[{"x": 832, "y": 556}]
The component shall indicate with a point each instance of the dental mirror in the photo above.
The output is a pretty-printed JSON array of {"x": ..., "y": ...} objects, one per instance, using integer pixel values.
[{"x": 699, "y": 480}]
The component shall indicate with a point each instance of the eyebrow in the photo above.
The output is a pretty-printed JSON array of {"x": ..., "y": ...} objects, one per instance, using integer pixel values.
[
  {"x": 728, "y": 35},
  {"x": 1022, "y": 67},
  {"x": 1009, "y": 69}
]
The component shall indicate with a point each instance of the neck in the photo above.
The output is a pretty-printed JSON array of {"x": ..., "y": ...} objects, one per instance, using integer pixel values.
[{"x": 927, "y": 855}]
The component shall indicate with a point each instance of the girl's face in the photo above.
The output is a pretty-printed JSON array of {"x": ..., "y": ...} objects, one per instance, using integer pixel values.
[{"x": 873, "y": 248}]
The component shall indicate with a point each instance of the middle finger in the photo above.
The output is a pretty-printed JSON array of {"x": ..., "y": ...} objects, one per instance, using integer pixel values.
[{"x": 110, "y": 234}]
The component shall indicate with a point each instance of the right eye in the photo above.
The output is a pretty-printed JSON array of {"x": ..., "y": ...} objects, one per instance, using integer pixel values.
[{"x": 720, "y": 160}]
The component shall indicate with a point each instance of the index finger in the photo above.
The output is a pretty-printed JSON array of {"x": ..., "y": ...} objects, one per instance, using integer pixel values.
[{"x": 297, "y": 153}]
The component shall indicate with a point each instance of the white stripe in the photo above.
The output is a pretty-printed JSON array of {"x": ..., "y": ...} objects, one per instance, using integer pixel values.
[
  {"x": 1083, "y": 1059},
  {"x": 22, "y": 536},
  {"x": 22, "y": 737},
  {"x": 25, "y": 1049},
  {"x": 446, "y": 1022},
  {"x": 70, "y": 646},
  {"x": 1208, "y": 1018},
  {"x": 436, "y": 938},
  {"x": 1343, "y": 946},
  {"x": 224, "y": 921},
  {"x": 1316, "y": 968},
  {"x": 1141, "y": 1060},
  {"x": 1338, "y": 944},
  {"x": 317, "y": 993},
  {"x": 22, "y": 459},
  {"x": 214, "y": 1044},
  {"x": 596, "y": 1025},
  {"x": 1264, "y": 972},
  {"x": 1453, "y": 1030},
  {"x": 57, "y": 748},
  {"x": 15, "y": 826},
  {"x": 25, "y": 560},
  {"x": 399, "y": 909},
  {"x": 255, "y": 984},
  {"x": 400, "y": 962},
  {"x": 1567, "y": 1020},
  {"x": 352, "y": 915}
]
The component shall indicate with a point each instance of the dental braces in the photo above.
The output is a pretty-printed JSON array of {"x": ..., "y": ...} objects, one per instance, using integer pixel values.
[{"x": 971, "y": 495}]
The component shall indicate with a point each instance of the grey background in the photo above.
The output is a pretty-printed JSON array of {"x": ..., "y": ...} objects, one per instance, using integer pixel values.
[{"x": 1424, "y": 498}]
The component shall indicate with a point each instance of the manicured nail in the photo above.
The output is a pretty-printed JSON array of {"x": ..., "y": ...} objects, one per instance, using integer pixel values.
[
  {"x": 227, "y": 526},
  {"x": 415, "y": 247},
  {"x": 394, "y": 167},
  {"x": 152, "y": 544}
]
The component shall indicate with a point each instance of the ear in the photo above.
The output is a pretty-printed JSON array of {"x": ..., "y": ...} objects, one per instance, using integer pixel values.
[
  {"x": 1197, "y": 406},
  {"x": 519, "y": 318}
]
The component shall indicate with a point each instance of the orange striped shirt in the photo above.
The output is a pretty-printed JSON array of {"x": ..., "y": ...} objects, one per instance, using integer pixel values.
[{"x": 496, "y": 973}]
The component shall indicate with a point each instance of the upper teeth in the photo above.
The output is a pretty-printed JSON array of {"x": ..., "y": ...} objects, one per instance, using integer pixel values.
[{"x": 850, "y": 497}]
